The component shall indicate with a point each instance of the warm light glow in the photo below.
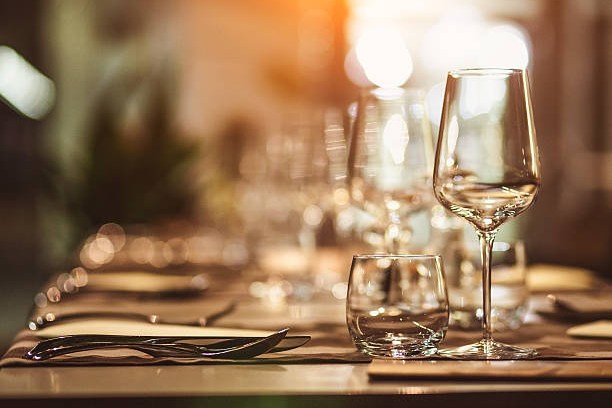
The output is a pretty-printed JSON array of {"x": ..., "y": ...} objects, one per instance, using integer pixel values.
[
  {"x": 341, "y": 196},
  {"x": 452, "y": 42},
  {"x": 479, "y": 97},
  {"x": 384, "y": 57},
  {"x": 339, "y": 290},
  {"x": 115, "y": 233},
  {"x": 453, "y": 134},
  {"x": 141, "y": 250},
  {"x": 23, "y": 87},
  {"x": 97, "y": 251},
  {"x": 313, "y": 215},
  {"x": 435, "y": 100},
  {"x": 463, "y": 38},
  {"x": 395, "y": 138},
  {"x": 504, "y": 46},
  {"x": 79, "y": 276}
]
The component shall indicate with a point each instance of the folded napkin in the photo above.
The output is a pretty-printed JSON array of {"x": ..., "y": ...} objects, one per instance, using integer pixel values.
[
  {"x": 144, "y": 282},
  {"x": 547, "y": 278},
  {"x": 515, "y": 369},
  {"x": 135, "y": 328},
  {"x": 588, "y": 303},
  {"x": 599, "y": 329},
  {"x": 576, "y": 306}
]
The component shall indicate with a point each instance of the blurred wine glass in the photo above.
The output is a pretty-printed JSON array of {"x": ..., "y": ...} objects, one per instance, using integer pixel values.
[
  {"x": 285, "y": 200},
  {"x": 390, "y": 161},
  {"x": 487, "y": 170}
]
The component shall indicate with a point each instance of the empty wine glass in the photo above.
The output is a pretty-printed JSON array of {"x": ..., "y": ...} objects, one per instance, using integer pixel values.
[
  {"x": 284, "y": 204},
  {"x": 390, "y": 160},
  {"x": 487, "y": 170}
]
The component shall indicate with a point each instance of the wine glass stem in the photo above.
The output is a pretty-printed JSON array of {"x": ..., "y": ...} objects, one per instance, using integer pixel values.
[
  {"x": 486, "y": 248},
  {"x": 392, "y": 238},
  {"x": 396, "y": 234}
]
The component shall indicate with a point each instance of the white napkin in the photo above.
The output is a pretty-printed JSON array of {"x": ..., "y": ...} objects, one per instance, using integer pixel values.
[
  {"x": 598, "y": 329},
  {"x": 145, "y": 282},
  {"x": 546, "y": 278},
  {"x": 132, "y": 328}
]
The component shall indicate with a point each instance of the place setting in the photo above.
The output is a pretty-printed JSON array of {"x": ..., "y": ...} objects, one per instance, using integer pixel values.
[
  {"x": 347, "y": 203},
  {"x": 86, "y": 333},
  {"x": 164, "y": 321},
  {"x": 407, "y": 314}
]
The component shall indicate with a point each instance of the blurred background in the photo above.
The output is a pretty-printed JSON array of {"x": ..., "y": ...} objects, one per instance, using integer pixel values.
[{"x": 155, "y": 113}]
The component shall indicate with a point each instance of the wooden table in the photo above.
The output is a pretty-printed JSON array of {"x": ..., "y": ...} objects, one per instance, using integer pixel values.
[
  {"x": 264, "y": 385},
  {"x": 314, "y": 385}
]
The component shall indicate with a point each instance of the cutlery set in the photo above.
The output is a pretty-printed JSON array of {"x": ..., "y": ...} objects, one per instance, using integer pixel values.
[{"x": 236, "y": 348}]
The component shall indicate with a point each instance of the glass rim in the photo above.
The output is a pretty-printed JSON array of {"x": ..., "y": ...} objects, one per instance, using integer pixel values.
[
  {"x": 477, "y": 72},
  {"x": 397, "y": 256}
]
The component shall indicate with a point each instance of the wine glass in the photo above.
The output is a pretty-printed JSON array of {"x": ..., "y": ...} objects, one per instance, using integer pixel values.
[
  {"x": 390, "y": 160},
  {"x": 285, "y": 206},
  {"x": 487, "y": 170}
]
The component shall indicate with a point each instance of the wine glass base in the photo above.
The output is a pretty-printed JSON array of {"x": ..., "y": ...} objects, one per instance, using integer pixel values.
[{"x": 488, "y": 350}]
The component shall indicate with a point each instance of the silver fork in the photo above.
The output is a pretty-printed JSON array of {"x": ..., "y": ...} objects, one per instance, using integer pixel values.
[{"x": 50, "y": 348}]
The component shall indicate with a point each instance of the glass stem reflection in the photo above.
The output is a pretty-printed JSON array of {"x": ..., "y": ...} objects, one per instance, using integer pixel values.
[
  {"x": 394, "y": 234},
  {"x": 486, "y": 240}
]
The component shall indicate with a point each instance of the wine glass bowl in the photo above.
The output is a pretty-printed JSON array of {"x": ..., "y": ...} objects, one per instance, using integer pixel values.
[
  {"x": 390, "y": 159},
  {"x": 487, "y": 169}
]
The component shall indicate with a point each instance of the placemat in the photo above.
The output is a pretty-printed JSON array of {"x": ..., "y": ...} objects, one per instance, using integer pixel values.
[
  {"x": 527, "y": 370},
  {"x": 328, "y": 345},
  {"x": 560, "y": 357},
  {"x": 331, "y": 344},
  {"x": 322, "y": 319},
  {"x": 549, "y": 338}
]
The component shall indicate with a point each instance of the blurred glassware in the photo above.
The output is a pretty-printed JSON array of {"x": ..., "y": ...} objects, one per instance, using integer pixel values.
[
  {"x": 444, "y": 231},
  {"x": 487, "y": 171},
  {"x": 397, "y": 305},
  {"x": 286, "y": 197},
  {"x": 509, "y": 292},
  {"x": 389, "y": 165},
  {"x": 337, "y": 139},
  {"x": 114, "y": 247}
]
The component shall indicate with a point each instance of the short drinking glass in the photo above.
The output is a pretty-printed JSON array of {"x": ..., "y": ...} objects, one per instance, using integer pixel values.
[
  {"x": 509, "y": 292},
  {"x": 397, "y": 305}
]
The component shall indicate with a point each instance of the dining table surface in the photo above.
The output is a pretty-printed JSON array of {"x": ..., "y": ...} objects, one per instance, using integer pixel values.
[{"x": 327, "y": 371}]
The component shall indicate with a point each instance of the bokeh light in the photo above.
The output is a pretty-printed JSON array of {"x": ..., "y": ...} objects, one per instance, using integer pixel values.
[
  {"x": 451, "y": 42},
  {"x": 384, "y": 56},
  {"x": 21, "y": 85},
  {"x": 463, "y": 38},
  {"x": 504, "y": 46}
]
